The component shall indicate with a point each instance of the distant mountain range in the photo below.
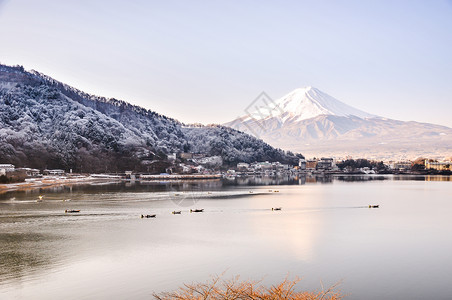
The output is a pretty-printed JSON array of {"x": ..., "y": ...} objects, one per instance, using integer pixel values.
[
  {"x": 308, "y": 120},
  {"x": 47, "y": 124}
]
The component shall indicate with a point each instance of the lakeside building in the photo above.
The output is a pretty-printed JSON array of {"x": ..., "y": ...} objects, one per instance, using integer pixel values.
[
  {"x": 277, "y": 166},
  {"x": 402, "y": 165},
  {"x": 264, "y": 166},
  {"x": 439, "y": 166},
  {"x": 243, "y": 166},
  {"x": 6, "y": 168},
  {"x": 30, "y": 172},
  {"x": 325, "y": 163},
  {"x": 302, "y": 164},
  {"x": 53, "y": 172},
  {"x": 311, "y": 164}
]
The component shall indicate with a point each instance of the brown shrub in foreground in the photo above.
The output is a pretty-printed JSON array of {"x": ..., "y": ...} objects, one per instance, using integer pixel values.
[{"x": 218, "y": 289}]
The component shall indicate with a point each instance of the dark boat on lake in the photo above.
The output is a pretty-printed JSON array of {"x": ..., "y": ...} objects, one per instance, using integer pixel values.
[
  {"x": 176, "y": 212},
  {"x": 197, "y": 210},
  {"x": 277, "y": 208},
  {"x": 148, "y": 216},
  {"x": 71, "y": 211}
]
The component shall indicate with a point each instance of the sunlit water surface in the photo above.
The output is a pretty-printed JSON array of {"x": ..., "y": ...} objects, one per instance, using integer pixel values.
[{"x": 325, "y": 233}]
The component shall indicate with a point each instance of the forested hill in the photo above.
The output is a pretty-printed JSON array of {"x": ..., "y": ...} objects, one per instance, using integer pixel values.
[{"x": 47, "y": 124}]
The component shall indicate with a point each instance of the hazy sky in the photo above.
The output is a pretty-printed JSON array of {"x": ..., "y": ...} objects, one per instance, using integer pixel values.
[{"x": 204, "y": 61}]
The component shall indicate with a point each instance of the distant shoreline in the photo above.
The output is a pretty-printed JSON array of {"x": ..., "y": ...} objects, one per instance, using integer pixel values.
[
  {"x": 48, "y": 182},
  {"x": 52, "y": 181}
]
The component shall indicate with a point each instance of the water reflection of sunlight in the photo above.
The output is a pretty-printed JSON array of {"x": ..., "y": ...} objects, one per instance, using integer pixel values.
[{"x": 293, "y": 231}]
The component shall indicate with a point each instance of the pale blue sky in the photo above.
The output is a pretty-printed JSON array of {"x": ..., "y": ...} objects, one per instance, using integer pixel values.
[{"x": 204, "y": 61}]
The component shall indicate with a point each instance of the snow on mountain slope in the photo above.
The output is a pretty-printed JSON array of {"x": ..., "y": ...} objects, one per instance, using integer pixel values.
[
  {"x": 310, "y": 121},
  {"x": 47, "y": 124},
  {"x": 305, "y": 103}
]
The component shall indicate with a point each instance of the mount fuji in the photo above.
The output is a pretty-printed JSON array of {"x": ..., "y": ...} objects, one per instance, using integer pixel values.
[{"x": 310, "y": 121}]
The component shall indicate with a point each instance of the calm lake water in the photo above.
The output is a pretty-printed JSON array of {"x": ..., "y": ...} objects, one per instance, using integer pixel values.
[{"x": 325, "y": 233}]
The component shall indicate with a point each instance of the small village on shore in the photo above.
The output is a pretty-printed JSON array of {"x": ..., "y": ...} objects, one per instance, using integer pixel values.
[{"x": 190, "y": 166}]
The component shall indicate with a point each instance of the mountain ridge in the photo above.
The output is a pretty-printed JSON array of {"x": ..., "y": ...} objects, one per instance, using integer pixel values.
[
  {"x": 310, "y": 121},
  {"x": 46, "y": 123}
]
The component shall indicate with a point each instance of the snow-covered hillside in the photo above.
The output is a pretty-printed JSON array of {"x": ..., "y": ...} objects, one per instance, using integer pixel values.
[{"x": 47, "y": 124}]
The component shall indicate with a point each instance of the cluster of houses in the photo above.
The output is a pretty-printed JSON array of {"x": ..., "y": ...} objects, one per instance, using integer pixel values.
[
  {"x": 28, "y": 172},
  {"x": 201, "y": 164},
  {"x": 428, "y": 164},
  {"x": 327, "y": 164},
  {"x": 197, "y": 162},
  {"x": 323, "y": 164},
  {"x": 439, "y": 166},
  {"x": 189, "y": 163}
]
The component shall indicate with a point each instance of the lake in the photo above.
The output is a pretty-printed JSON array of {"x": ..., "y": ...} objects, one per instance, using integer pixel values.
[{"x": 325, "y": 233}]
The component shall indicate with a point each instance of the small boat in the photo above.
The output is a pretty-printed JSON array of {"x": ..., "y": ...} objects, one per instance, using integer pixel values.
[
  {"x": 71, "y": 211},
  {"x": 374, "y": 206},
  {"x": 148, "y": 216},
  {"x": 276, "y": 191},
  {"x": 251, "y": 192},
  {"x": 276, "y": 208},
  {"x": 196, "y": 210},
  {"x": 176, "y": 212}
]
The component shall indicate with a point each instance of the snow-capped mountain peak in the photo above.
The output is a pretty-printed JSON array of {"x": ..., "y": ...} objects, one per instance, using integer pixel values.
[
  {"x": 301, "y": 104},
  {"x": 314, "y": 123},
  {"x": 309, "y": 102}
]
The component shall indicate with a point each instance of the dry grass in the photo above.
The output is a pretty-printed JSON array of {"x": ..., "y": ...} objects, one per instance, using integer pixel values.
[{"x": 220, "y": 289}]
